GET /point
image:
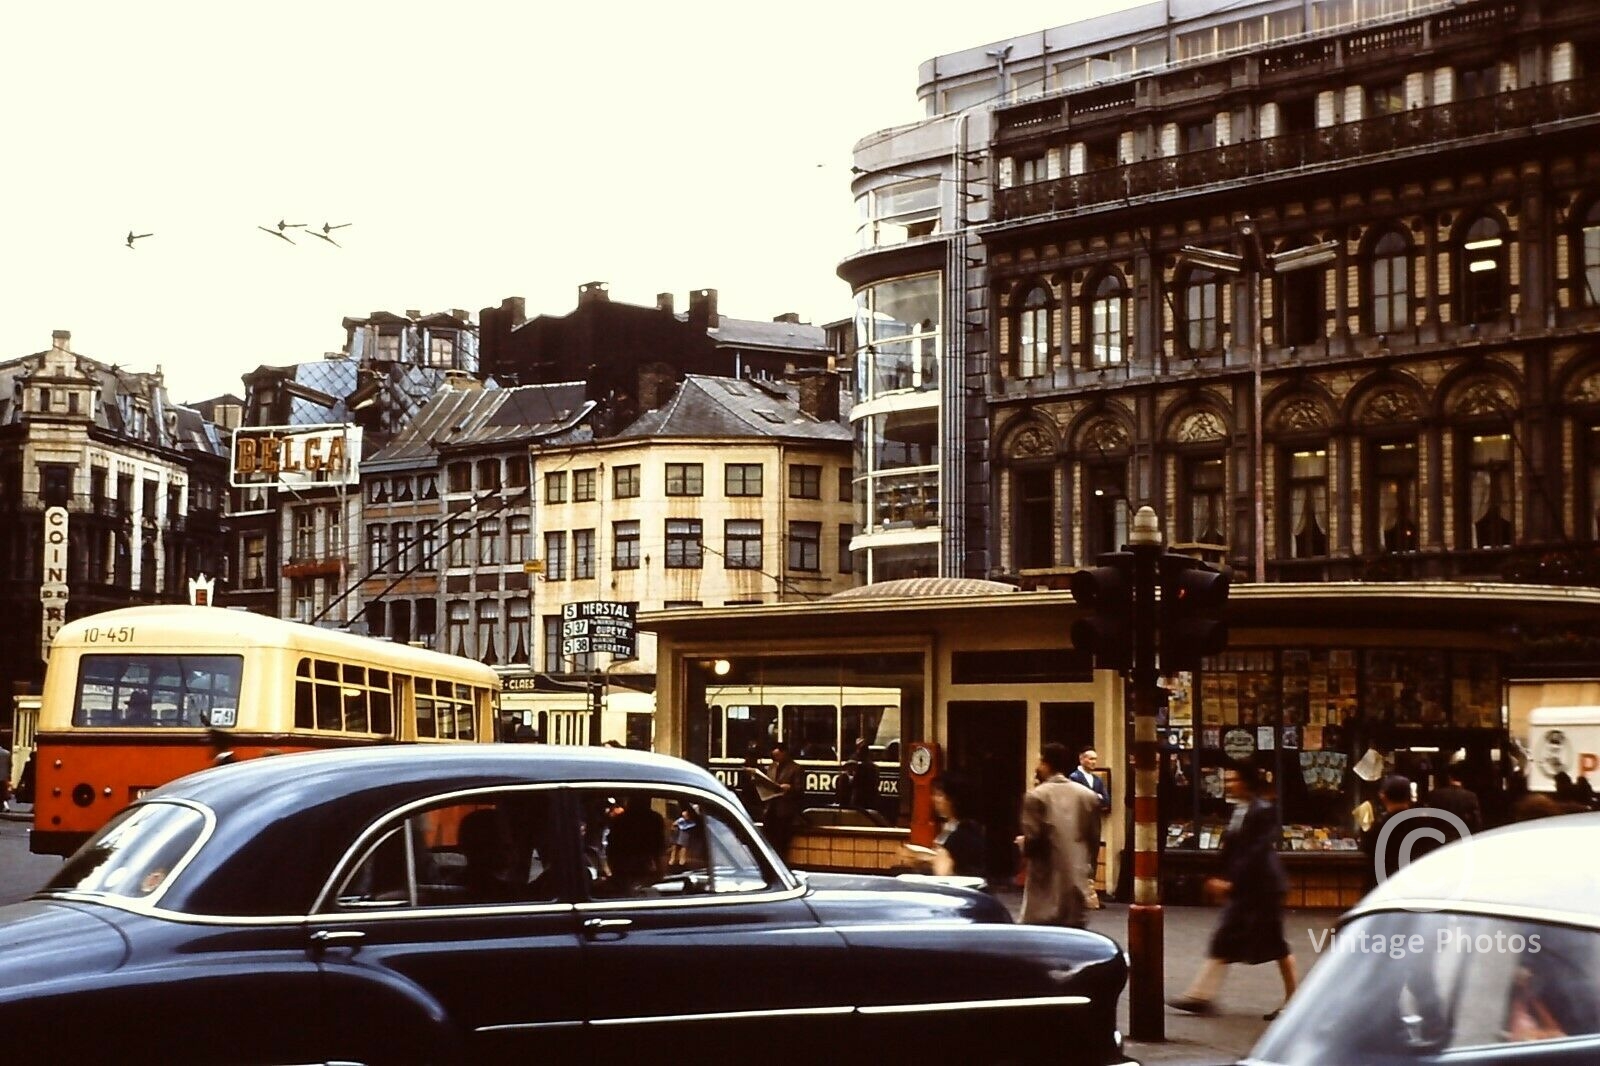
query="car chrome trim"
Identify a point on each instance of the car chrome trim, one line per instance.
(515, 1027)
(977, 1004)
(709, 899)
(724, 1016)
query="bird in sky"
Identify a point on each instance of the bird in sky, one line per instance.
(328, 228)
(277, 232)
(132, 236)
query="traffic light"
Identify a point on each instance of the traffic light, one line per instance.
(1106, 591)
(1193, 595)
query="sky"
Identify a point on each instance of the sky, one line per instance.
(477, 150)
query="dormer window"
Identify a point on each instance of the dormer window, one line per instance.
(442, 350)
(389, 345)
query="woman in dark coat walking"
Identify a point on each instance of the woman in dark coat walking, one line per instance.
(1252, 881)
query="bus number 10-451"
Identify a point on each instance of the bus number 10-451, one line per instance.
(109, 635)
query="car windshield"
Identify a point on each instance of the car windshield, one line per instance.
(135, 854)
(1404, 987)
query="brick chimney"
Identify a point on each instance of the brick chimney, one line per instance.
(61, 340)
(791, 317)
(664, 302)
(703, 309)
(594, 292)
(819, 394)
(657, 383)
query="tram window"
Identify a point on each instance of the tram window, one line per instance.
(426, 723)
(157, 690)
(751, 724)
(304, 711)
(380, 702)
(812, 731)
(354, 691)
(881, 727)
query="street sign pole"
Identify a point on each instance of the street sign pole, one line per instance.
(1146, 976)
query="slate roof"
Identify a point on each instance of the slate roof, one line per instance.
(116, 386)
(707, 406)
(468, 418)
(749, 333)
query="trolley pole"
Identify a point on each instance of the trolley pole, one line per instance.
(1146, 978)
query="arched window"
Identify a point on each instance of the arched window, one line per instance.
(1590, 244)
(1390, 278)
(1202, 311)
(1033, 334)
(1487, 489)
(1107, 309)
(1304, 533)
(1481, 272)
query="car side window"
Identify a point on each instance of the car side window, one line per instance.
(483, 850)
(1543, 983)
(659, 843)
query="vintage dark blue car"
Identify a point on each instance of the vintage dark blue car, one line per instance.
(514, 903)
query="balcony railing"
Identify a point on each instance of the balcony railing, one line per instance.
(1331, 146)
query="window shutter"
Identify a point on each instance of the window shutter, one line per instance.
(1269, 120)
(1444, 85)
(1325, 109)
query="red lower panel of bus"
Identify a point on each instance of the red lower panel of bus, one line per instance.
(81, 781)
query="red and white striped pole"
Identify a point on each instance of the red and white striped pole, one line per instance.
(1146, 977)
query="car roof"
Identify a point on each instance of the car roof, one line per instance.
(1543, 870)
(296, 814)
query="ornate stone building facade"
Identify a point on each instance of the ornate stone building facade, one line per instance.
(1329, 303)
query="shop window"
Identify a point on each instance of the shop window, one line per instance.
(1106, 506)
(1389, 278)
(1204, 508)
(1305, 533)
(1107, 313)
(1033, 335)
(1481, 272)
(741, 548)
(1395, 489)
(1202, 311)
(1034, 524)
(1488, 504)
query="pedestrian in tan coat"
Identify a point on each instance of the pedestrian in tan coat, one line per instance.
(1060, 833)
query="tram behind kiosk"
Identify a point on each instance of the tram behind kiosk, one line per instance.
(922, 766)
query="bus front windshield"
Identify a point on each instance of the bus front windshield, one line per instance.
(152, 691)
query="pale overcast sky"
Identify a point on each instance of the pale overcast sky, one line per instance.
(479, 149)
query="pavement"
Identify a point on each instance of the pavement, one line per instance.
(1247, 992)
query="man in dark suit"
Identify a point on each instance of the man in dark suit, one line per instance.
(1455, 798)
(1084, 775)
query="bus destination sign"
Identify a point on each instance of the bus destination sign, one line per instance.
(599, 625)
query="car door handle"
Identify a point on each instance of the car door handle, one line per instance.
(325, 937)
(593, 927)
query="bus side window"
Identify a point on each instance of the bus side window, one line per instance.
(304, 706)
(426, 726)
(354, 690)
(330, 712)
(380, 702)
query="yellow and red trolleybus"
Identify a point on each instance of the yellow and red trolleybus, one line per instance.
(138, 697)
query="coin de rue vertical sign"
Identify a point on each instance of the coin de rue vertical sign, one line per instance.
(53, 589)
(599, 625)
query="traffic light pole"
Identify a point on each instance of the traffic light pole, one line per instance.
(1146, 978)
